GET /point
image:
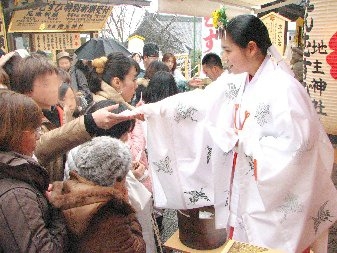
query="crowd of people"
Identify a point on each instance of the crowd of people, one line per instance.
(92, 152)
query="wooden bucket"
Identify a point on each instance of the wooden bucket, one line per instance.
(197, 229)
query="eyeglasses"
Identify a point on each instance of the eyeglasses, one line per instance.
(38, 131)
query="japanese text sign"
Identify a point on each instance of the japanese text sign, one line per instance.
(320, 59)
(276, 25)
(56, 17)
(56, 41)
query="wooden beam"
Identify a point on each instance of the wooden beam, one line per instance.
(112, 2)
(275, 6)
(237, 3)
(40, 3)
(37, 3)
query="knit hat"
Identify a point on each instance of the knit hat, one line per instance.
(63, 55)
(103, 160)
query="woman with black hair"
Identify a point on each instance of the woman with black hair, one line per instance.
(161, 85)
(114, 77)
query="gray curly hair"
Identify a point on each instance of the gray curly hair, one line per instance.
(103, 160)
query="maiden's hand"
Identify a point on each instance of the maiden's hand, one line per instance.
(105, 119)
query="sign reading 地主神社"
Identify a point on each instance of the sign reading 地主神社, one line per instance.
(58, 17)
(320, 59)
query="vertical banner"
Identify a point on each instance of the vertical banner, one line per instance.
(276, 25)
(209, 41)
(3, 38)
(320, 59)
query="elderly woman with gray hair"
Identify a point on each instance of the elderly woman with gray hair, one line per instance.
(95, 200)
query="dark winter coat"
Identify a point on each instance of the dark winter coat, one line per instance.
(27, 222)
(99, 218)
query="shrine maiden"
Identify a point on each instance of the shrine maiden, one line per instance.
(279, 193)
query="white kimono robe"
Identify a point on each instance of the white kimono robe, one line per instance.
(281, 195)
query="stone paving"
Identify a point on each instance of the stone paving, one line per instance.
(170, 223)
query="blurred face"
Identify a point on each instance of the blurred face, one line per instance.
(137, 58)
(45, 90)
(69, 100)
(64, 63)
(234, 56)
(28, 141)
(210, 72)
(129, 85)
(169, 63)
(148, 59)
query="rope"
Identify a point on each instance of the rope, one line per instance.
(157, 233)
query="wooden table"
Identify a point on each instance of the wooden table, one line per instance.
(174, 243)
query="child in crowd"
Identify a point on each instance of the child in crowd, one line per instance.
(27, 222)
(95, 200)
(68, 101)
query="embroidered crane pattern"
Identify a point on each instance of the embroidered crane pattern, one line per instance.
(250, 169)
(196, 196)
(227, 198)
(164, 165)
(323, 215)
(232, 92)
(185, 112)
(262, 114)
(209, 153)
(304, 149)
(290, 205)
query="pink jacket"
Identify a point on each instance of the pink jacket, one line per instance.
(137, 145)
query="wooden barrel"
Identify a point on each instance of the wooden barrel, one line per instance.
(197, 229)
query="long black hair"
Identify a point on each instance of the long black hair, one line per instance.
(245, 28)
(117, 65)
(161, 85)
